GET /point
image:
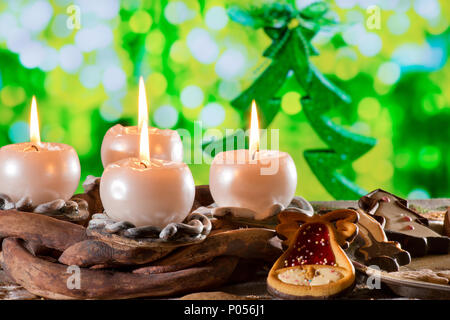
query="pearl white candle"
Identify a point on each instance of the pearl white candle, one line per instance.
(145, 191)
(152, 193)
(242, 182)
(253, 179)
(39, 170)
(122, 142)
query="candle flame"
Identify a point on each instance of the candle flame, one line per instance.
(144, 150)
(35, 137)
(143, 108)
(254, 131)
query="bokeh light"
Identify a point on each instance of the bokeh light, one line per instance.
(140, 21)
(177, 12)
(429, 157)
(389, 73)
(11, 96)
(19, 132)
(114, 78)
(212, 115)
(216, 18)
(231, 64)
(36, 15)
(155, 42)
(229, 90)
(192, 96)
(202, 46)
(369, 108)
(290, 103)
(157, 84)
(165, 116)
(90, 76)
(70, 58)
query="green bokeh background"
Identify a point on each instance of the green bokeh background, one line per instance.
(195, 60)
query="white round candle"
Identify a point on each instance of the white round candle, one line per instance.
(44, 173)
(122, 142)
(145, 191)
(39, 170)
(155, 194)
(236, 180)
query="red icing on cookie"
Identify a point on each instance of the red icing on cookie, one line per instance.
(312, 246)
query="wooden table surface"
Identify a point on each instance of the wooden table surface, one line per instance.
(255, 289)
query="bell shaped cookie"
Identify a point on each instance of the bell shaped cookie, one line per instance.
(314, 266)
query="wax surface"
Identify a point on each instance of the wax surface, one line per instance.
(237, 180)
(52, 171)
(122, 142)
(161, 193)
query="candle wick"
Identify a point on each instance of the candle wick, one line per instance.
(254, 154)
(33, 146)
(144, 164)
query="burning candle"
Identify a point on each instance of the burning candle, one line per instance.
(122, 142)
(253, 179)
(147, 191)
(39, 170)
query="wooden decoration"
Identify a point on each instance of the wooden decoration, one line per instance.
(447, 223)
(38, 250)
(50, 280)
(44, 230)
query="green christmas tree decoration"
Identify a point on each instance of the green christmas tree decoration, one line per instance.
(291, 32)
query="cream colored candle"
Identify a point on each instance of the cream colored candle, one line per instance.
(39, 170)
(253, 179)
(147, 191)
(122, 142)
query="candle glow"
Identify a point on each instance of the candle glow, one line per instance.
(254, 131)
(144, 149)
(35, 137)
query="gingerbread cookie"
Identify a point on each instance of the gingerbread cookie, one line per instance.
(435, 218)
(426, 275)
(377, 249)
(314, 265)
(403, 224)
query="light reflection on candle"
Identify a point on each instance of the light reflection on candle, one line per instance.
(35, 137)
(119, 190)
(254, 132)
